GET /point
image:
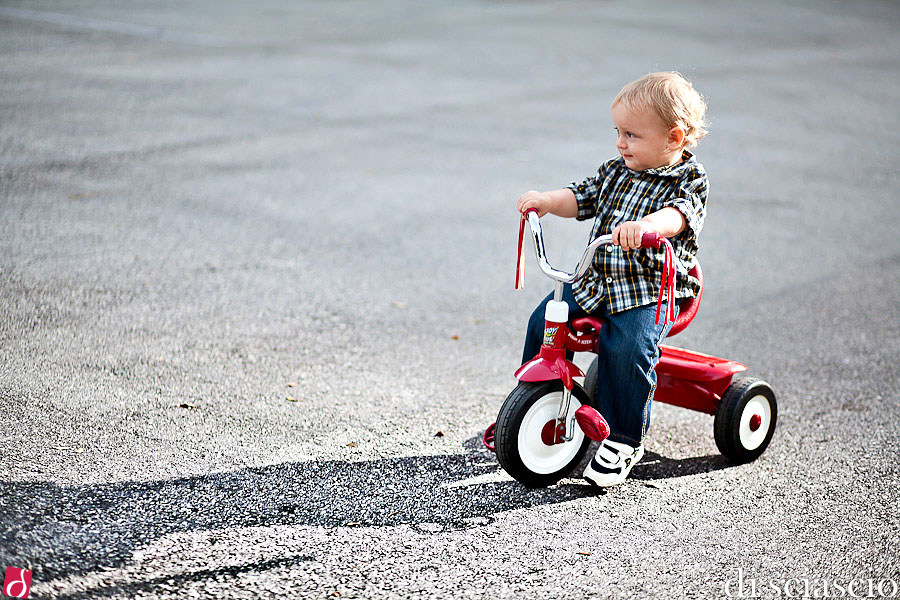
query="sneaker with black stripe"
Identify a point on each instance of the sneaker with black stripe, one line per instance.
(612, 463)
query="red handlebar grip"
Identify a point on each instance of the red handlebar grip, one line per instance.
(651, 240)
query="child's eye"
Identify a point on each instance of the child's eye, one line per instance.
(629, 134)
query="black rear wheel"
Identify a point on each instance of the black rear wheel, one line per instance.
(745, 419)
(590, 381)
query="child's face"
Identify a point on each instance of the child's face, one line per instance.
(643, 139)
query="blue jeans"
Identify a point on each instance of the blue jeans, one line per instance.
(626, 360)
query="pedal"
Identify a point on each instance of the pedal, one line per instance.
(592, 423)
(488, 437)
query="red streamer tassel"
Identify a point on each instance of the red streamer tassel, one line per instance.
(520, 261)
(667, 285)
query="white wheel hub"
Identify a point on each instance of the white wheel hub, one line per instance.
(537, 456)
(756, 419)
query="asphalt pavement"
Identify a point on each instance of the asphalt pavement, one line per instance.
(257, 306)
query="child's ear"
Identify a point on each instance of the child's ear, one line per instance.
(676, 137)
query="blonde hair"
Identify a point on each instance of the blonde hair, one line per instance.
(673, 98)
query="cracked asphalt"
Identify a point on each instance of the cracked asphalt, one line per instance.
(256, 305)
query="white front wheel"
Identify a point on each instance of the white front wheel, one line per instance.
(523, 439)
(536, 454)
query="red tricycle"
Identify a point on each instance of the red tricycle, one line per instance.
(547, 422)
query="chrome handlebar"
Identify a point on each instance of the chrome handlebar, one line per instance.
(581, 268)
(648, 240)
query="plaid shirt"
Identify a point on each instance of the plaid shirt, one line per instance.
(616, 194)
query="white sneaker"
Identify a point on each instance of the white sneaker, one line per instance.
(612, 463)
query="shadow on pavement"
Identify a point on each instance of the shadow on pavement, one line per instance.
(62, 531)
(70, 530)
(654, 466)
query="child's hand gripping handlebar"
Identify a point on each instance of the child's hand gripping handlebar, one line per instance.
(649, 240)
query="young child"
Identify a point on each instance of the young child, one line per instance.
(655, 185)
